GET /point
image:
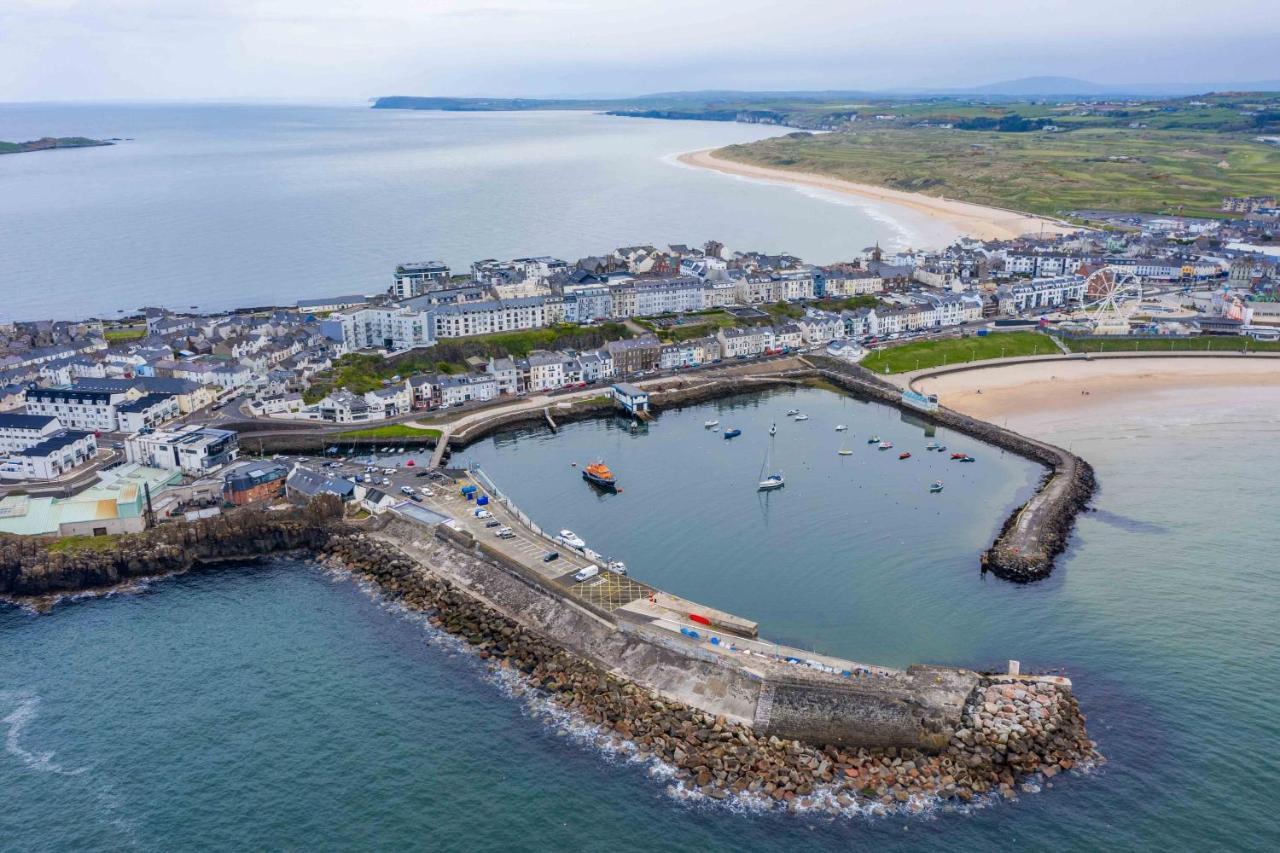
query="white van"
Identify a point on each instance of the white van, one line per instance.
(588, 572)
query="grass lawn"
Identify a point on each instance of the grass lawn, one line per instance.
(1205, 344)
(78, 544)
(391, 431)
(132, 334)
(921, 354)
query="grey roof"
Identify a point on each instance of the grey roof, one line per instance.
(312, 483)
(53, 443)
(36, 422)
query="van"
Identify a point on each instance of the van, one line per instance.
(586, 573)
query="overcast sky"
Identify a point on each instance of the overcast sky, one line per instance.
(355, 49)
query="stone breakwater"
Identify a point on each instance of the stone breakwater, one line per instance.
(1038, 531)
(1013, 736)
(30, 567)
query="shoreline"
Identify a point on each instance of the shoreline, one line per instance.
(975, 220)
(1033, 394)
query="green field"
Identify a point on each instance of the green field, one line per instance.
(937, 353)
(80, 544)
(391, 431)
(1112, 168)
(129, 334)
(1204, 344)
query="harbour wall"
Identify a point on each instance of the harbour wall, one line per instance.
(1033, 536)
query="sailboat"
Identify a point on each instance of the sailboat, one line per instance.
(772, 481)
(844, 451)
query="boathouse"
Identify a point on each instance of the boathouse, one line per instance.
(631, 398)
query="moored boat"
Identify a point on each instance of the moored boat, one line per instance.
(906, 455)
(598, 474)
(802, 417)
(841, 427)
(844, 451)
(710, 424)
(792, 412)
(958, 455)
(573, 540)
(768, 484)
(617, 567)
(967, 458)
(885, 445)
(933, 445)
(875, 439)
(732, 433)
(936, 487)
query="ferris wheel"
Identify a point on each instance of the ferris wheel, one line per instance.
(1110, 297)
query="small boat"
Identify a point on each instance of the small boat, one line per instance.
(572, 539)
(841, 427)
(732, 433)
(844, 451)
(598, 474)
(906, 455)
(771, 482)
(773, 429)
(936, 487)
(768, 484)
(967, 459)
(933, 445)
(617, 567)
(875, 439)
(802, 417)
(886, 445)
(710, 424)
(792, 412)
(958, 455)
(942, 448)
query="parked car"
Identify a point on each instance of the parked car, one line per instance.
(416, 498)
(483, 513)
(504, 532)
(550, 556)
(588, 572)
(494, 523)
(407, 490)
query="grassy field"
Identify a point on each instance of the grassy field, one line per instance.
(1113, 168)
(936, 353)
(130, 334)
(391, 431)
(1205, 344)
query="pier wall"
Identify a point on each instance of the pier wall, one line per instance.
(920, 708)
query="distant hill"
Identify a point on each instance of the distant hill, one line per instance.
(48, 143)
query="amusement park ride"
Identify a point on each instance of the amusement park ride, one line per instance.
(1110, 299)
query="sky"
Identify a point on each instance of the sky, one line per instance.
(84, 50)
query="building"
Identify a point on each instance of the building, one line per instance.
(744, 341)
(117, 504)
(303, 484)
(634, 355)
(253, 482)
(51, 457)
(18, 432)
(415, 278)
(1041, 293)
(391, 328)
(635, 400)
(80, 408)
(486, 318)
(193, 450)
(146, 412)
(328, 304)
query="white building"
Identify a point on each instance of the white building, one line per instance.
(148, 411)
(77, 408)
(192, 449)
(1041, 293)
(745, 341)
(51, 457)
(486, 318)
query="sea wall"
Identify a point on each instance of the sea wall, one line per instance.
(702, 717)
(34, 566)
(1036, 532)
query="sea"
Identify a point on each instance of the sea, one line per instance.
(285, 706)
(220, 206)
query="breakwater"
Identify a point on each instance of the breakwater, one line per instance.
(1036, 532)
(1004, 731)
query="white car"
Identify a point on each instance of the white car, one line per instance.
(483, 513)
(505, 533)
(407, 490)
(386, 482)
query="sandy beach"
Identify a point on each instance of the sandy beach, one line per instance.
(1031, 397)
(985, 223)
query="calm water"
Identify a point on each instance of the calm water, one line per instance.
(284, 708)
(224, 206)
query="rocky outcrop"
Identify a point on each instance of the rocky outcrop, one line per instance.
(1011, 735)
(35, 566)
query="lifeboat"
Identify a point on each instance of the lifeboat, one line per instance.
(598, 474)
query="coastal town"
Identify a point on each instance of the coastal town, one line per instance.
(166, 400)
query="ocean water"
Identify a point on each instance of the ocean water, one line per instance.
(280, 706)
(222, 206)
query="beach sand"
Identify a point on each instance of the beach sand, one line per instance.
(985, 223)
(1037, 399)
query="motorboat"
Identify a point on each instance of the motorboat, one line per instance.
(802, 417)
(710, 424)
(792, 412)
(936, 487)
(773, 429)
(885, 445)
(933, 445)
(906, 455)
(573, 540)
(617, 567)
(958, 455)
(875, 439)
(773, 481)
(942, 448)
(844, 451)
(598, 474)
(732, 433)
(841, 427)
(967, 458)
